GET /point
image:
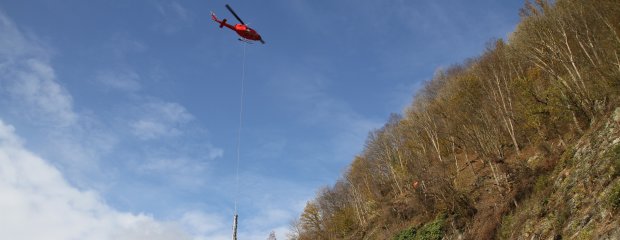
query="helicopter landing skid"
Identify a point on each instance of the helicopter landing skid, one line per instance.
(245, 41)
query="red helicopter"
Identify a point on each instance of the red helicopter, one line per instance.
(248, 34)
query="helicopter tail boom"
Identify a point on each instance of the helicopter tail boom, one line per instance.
(222, 22)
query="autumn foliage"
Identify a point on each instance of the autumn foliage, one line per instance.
(460, 149)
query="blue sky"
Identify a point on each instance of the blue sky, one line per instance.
(118, 119)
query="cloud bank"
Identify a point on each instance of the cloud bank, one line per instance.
(27, 80)
(36, 200)
(38, 203)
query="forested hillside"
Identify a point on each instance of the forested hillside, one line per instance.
(486, 139)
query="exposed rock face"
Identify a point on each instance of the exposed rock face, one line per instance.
(579, 199)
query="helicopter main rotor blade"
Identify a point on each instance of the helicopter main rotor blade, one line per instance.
(233, 12)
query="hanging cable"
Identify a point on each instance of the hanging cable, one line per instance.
(239, 143)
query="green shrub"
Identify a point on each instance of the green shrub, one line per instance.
(586, 233)
(408, 234)
(541, 184)
(562, 215)
(430, 231)
(506, 227)
(614, 197)
(615, 159)
(567, 156)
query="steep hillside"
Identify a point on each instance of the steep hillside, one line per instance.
(580, 198)
(515, 143)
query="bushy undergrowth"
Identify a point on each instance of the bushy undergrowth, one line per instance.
(614, 197)
(615, 158)
(406, 234)
(430, 231)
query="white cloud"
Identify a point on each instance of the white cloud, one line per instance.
(206, 226)
(78, 143)
(33, 82)
(128, 81)
(181, 165)
(36, 200)
(172, 9)
(29, 81)
(181, 172)
(121, 44)
(160, 119)
(174, 16)
(31, 95)
(13, 43)
(38, 203)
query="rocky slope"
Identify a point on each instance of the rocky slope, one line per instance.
(580, 198)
